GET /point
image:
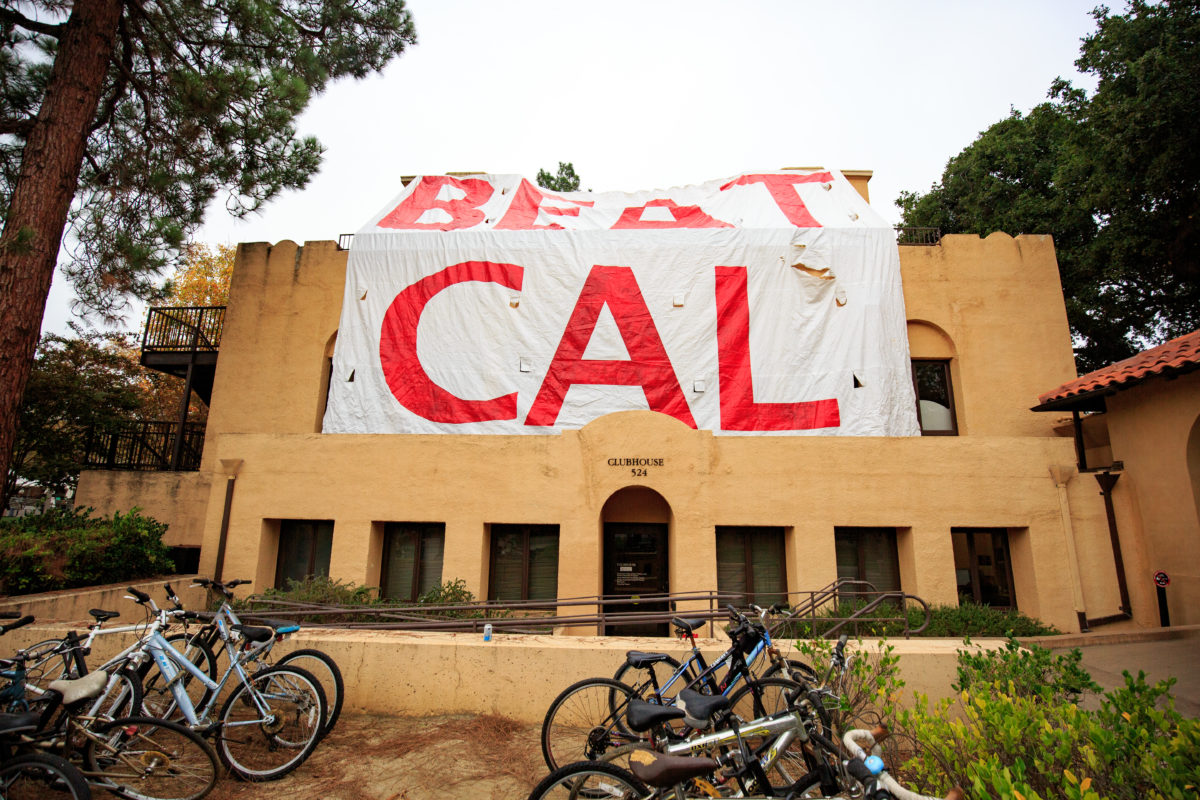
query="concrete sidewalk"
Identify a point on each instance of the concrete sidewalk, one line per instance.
(1161, 653)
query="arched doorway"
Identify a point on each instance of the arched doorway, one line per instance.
(636, 525)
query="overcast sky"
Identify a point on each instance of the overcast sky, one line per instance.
(641, 94)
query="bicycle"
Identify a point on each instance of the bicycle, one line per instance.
(205, 646)
(587, 718)
(271, 721)
(134, 756)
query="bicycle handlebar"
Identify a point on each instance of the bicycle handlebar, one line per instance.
(12, 626)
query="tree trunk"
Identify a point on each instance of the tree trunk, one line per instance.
(42, 196)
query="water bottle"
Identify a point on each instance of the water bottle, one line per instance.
(487, 632)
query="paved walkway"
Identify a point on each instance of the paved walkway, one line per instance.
(1161, 654)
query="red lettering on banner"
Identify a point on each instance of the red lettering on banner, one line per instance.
(739, 412)
(682, 217)
(784, 194)
(648, 365)
(402, 370)
(527, 202)
(464, 212)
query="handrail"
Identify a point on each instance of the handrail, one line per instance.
(914, 235)
(184, 329)
(143, 446)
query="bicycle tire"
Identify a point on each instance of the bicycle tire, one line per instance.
(589, 779)
(142, 758)
(44, 663)
(324, 669)
(157, 698)
(126, 700)
(797, 762)
(255, 749)
(581, 723)
(38, 776)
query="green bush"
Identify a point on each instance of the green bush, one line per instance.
(867, 690)
(360, 603)
(67, 549)
(957, 621)
(1014, 733)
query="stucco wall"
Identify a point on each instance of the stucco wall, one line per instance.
(1155, 430)
(178, 499)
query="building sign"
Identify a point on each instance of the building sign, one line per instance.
(766, 304)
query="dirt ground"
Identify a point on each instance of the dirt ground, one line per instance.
(410, 758)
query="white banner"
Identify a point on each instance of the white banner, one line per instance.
(766, 304)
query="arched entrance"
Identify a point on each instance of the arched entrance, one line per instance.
(636, 525)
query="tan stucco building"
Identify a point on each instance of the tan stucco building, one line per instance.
(990, 505)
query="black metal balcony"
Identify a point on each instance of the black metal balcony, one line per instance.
(928, 237)
(182, 340)
(148, 446)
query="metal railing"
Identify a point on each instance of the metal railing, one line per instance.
(918, 236)
(183, 329)
(144, 446)
(544, 617)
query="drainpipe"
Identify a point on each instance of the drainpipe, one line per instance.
(1107, 481)
(1061, 475)
(231, 467)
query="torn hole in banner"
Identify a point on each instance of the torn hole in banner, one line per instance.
(811, 258)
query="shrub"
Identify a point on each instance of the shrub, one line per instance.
(1013, 733)
(957, 621)
(67, 549)
(868, 689)
(360, 603)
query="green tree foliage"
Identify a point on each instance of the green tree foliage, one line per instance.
(121, 120)
(565, 180)
(64, 549)
(76, 384)
(1114, 177)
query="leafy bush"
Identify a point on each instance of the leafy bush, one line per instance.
(360, 603)
(866, 691)
(967, 619)
(1014, 733)
(67, 549)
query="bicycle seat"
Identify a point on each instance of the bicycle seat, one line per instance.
(280, 625)
(699, 708)
(688, 625)
(254, 633)
(100, 615)
(642, 716)
(19, 723)
(658, 769)
(639, 660)
(89, 685)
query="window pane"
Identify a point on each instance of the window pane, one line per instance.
(868, 554)
(766, 567)
(401, 549)
(433, 545)
(543, 566)
(731, 562)
(934, 407)
(303, 545)
(507, 564)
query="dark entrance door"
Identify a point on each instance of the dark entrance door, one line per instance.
(635, 565)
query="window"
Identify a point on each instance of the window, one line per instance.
(524, 562)
(935, 400)
(983, 567)
(304, 547)
(750, 561)
(412, 559)
(868, 554)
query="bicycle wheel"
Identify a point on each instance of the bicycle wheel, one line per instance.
(589, 779)
(141, 758)
(34, 776)
(581, 723)
(799, 669)
(324, 669)
(47, 661)
(125, 699)
(158, 700)
(258, 747)
(762, 698)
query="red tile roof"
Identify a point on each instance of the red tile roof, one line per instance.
(1173, 358)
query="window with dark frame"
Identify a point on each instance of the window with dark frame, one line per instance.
(304, 549)
(983, 567)
(412, 559)
(524, 562)
(935, 397)
(868, 554)
(751, 562)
